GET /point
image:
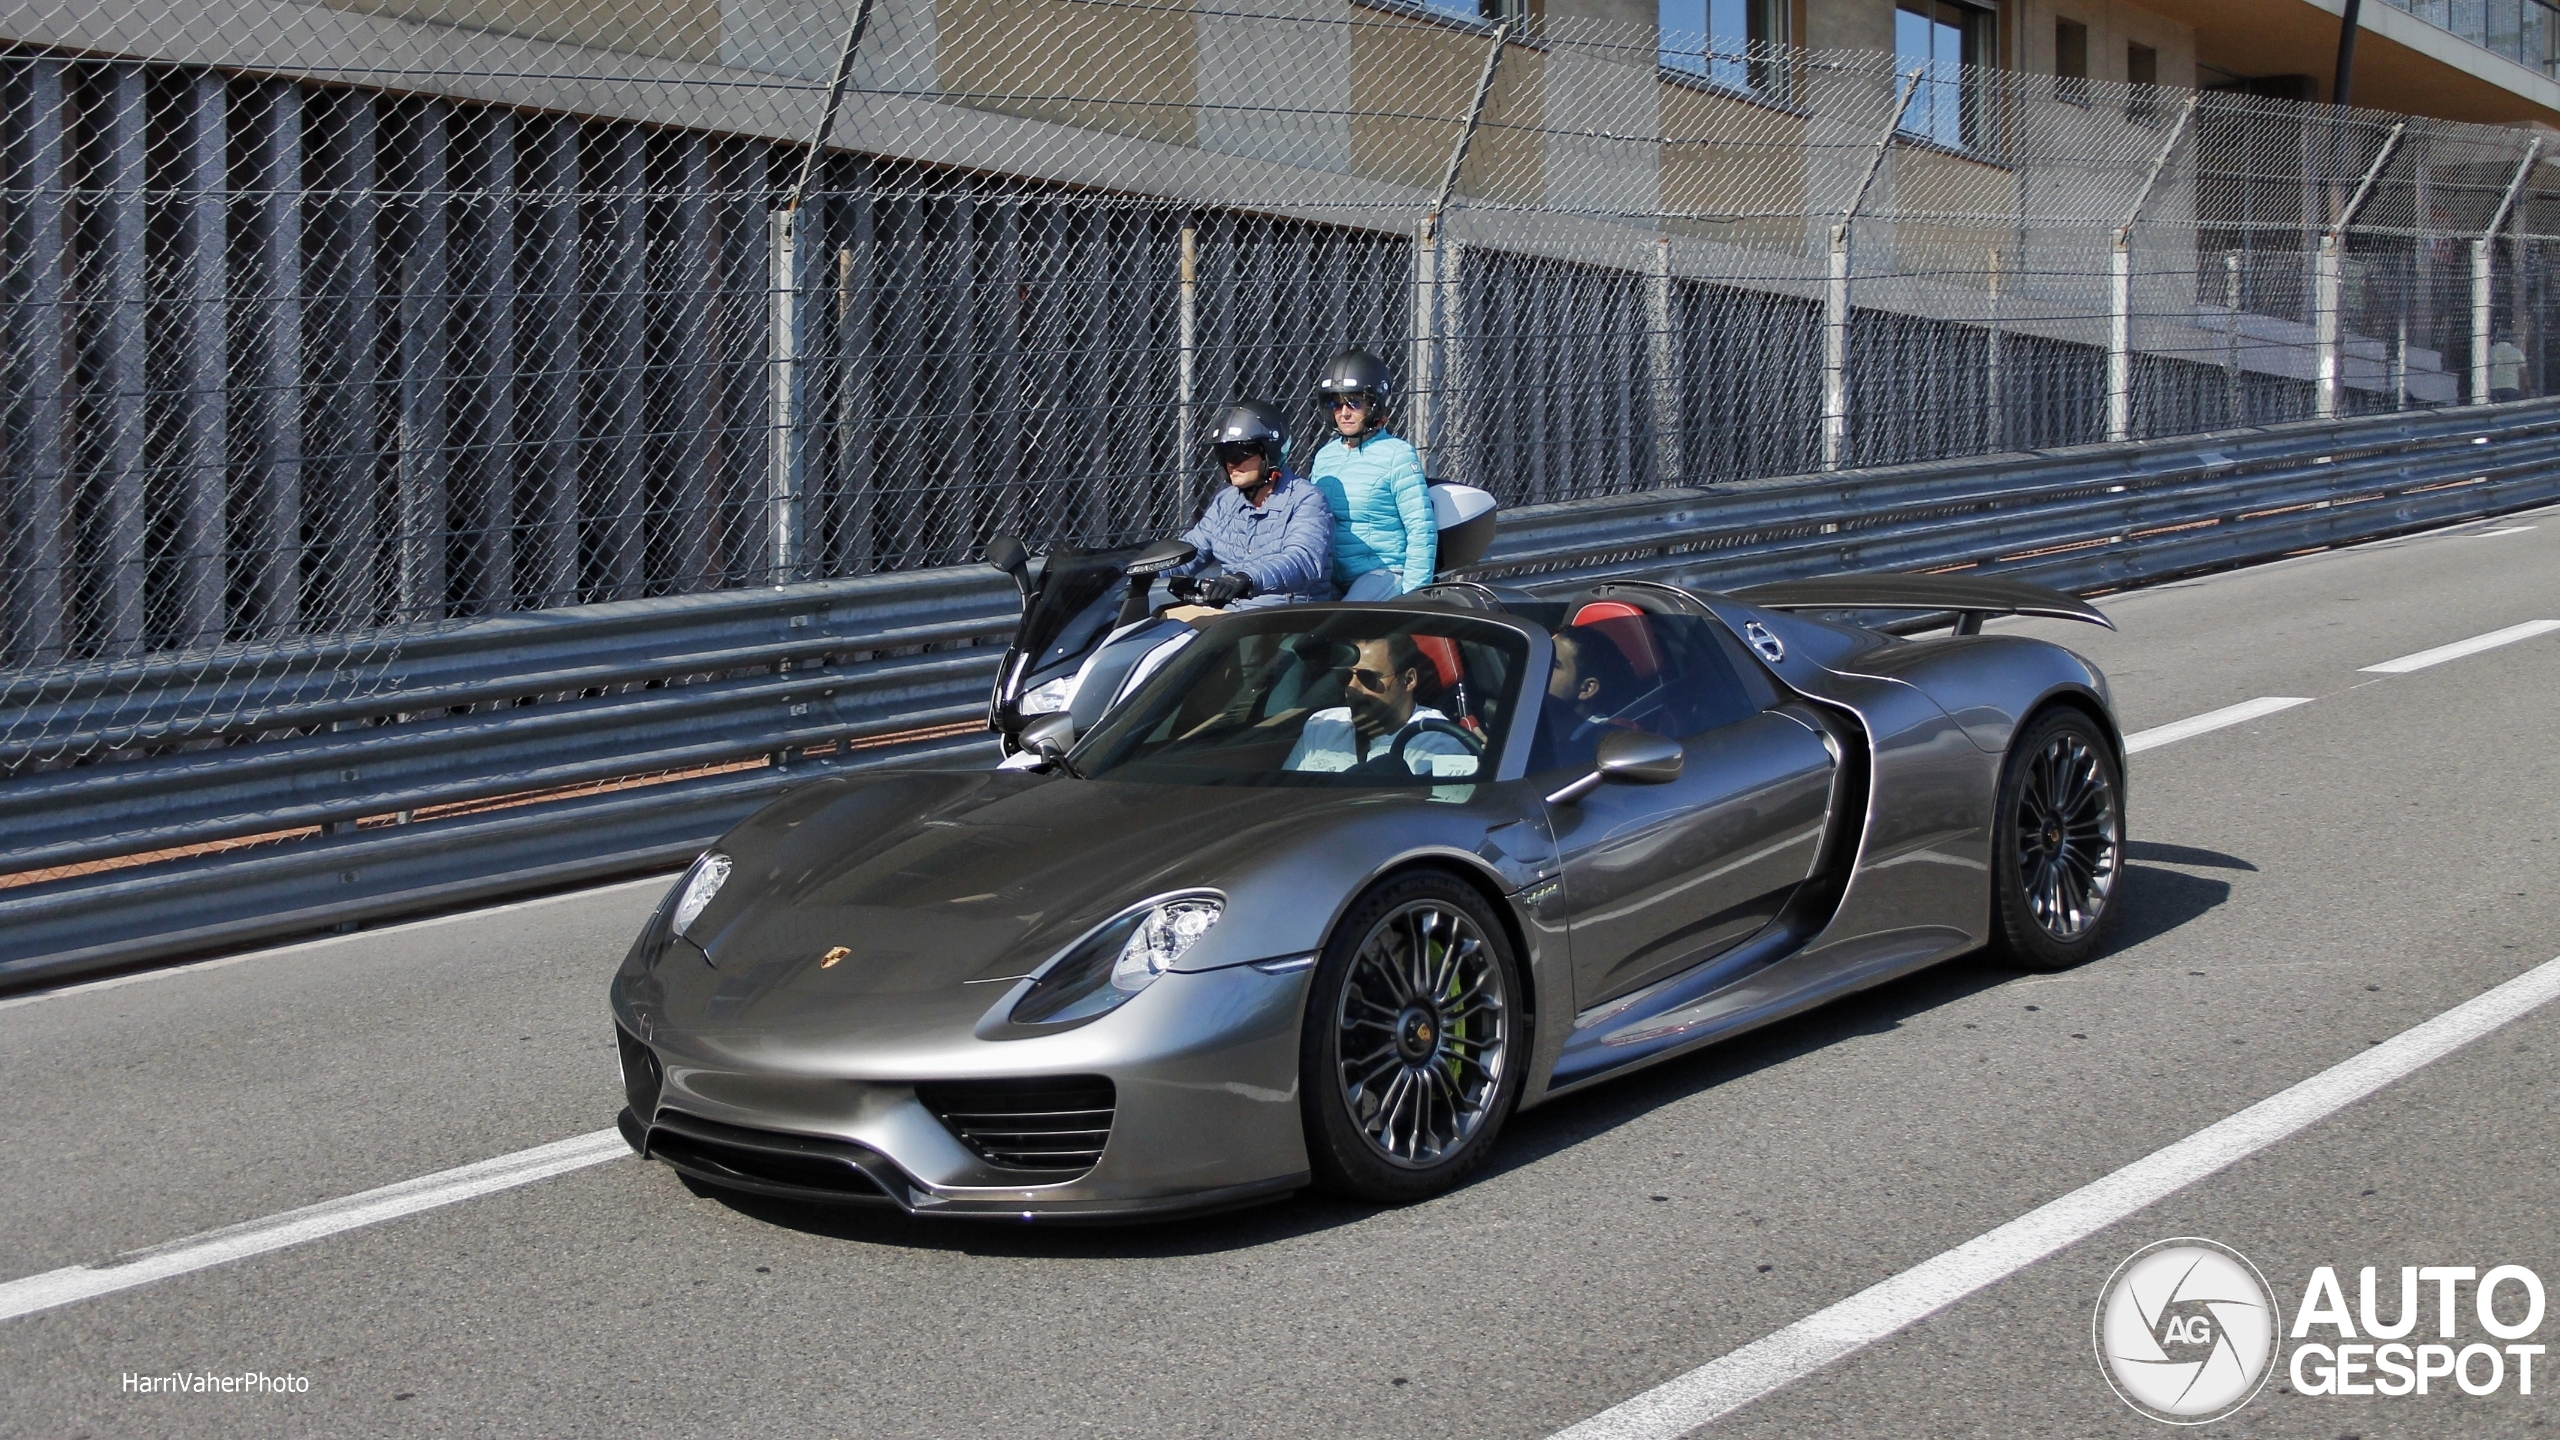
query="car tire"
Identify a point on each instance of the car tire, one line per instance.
(2058, 845)
(1414, 1042)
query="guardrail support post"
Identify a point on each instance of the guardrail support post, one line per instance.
(2482, 272)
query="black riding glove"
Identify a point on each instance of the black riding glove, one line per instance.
(1182, 587)
(1227, 589)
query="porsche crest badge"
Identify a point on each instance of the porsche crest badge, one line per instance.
(830, 960)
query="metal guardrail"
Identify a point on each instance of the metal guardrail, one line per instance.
(742, 695)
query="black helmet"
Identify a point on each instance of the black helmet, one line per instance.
(1251, 422)
(1357, 372)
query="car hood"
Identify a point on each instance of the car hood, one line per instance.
(940, 890)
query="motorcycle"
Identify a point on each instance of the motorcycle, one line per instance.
(1094, 628)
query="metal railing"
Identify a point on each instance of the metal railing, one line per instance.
(519, 753)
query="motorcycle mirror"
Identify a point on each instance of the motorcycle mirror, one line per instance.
(1007, 554)
(1052, 732)
(1160, 557)
(1632, 756)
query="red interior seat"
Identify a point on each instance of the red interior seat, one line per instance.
(1442, 652)
(1625, 626)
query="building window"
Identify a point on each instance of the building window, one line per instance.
(2142, 72)
(1488, 12)
(1940, 38)
(2070, 62)
(1730, 42)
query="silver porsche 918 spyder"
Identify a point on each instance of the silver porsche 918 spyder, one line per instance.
(1340, 887)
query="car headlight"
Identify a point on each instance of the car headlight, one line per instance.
(1047, 699)
(1103, 970)
(701, 883)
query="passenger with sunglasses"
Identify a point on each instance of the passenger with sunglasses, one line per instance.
(1268, 530)
(1385, 540)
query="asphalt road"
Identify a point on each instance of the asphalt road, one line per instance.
(2301, 887)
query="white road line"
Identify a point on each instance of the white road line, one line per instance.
(2194, 725)
(2501, 530)
(1734, 1380)
(118, 982)
(2460, 648)
(312, 1222)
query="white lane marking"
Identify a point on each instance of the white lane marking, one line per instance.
(118, 982)
(1739, 1377)
(2501, 530)
(312, 1222)
(2460, 648)
(2194, 725)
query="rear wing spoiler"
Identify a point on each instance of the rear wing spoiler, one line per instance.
(1971, 598)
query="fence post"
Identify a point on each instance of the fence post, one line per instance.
(2231, 393)
(2330, 281)
(128, 321)
(1187, 429)
(2120, 286)
(1427, 262)
(1667, 429)
(787, 466)
(204, 582)
(1835, 329)
(1994, 378)
(43, 571)
(2481, 272)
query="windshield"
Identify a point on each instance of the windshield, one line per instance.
(1079, 599)
(1301, 696)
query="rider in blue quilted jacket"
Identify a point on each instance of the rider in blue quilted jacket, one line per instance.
(1384, 539)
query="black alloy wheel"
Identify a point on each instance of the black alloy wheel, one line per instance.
(1414, 1041)
(2060, 841)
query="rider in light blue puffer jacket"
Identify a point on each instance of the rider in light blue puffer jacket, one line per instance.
(1384, 539)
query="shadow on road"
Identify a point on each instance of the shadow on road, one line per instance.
(2155, 901)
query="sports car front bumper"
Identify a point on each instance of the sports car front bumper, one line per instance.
(1198, 1077)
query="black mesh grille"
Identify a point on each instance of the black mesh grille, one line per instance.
(1056, 1123)
(641, 1079)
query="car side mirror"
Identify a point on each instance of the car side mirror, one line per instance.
(1160, 557)
(1049, 735)
(1635, 757)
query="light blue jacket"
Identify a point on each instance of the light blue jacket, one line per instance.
(1286, 545)
(1381, 509)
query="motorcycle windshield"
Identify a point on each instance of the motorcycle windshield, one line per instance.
(1079, 597)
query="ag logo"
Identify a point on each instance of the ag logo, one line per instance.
(2186, 1330)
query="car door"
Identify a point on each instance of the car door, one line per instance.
(1659, 878)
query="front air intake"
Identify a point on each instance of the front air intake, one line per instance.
(1052, 1124)
(641, 1077)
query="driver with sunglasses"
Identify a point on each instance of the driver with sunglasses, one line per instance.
(1268, 530)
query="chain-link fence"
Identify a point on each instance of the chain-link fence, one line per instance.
(324, 322)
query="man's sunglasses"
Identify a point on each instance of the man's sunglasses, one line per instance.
(1238, 454)
(1372, 680)
(1346, 402)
